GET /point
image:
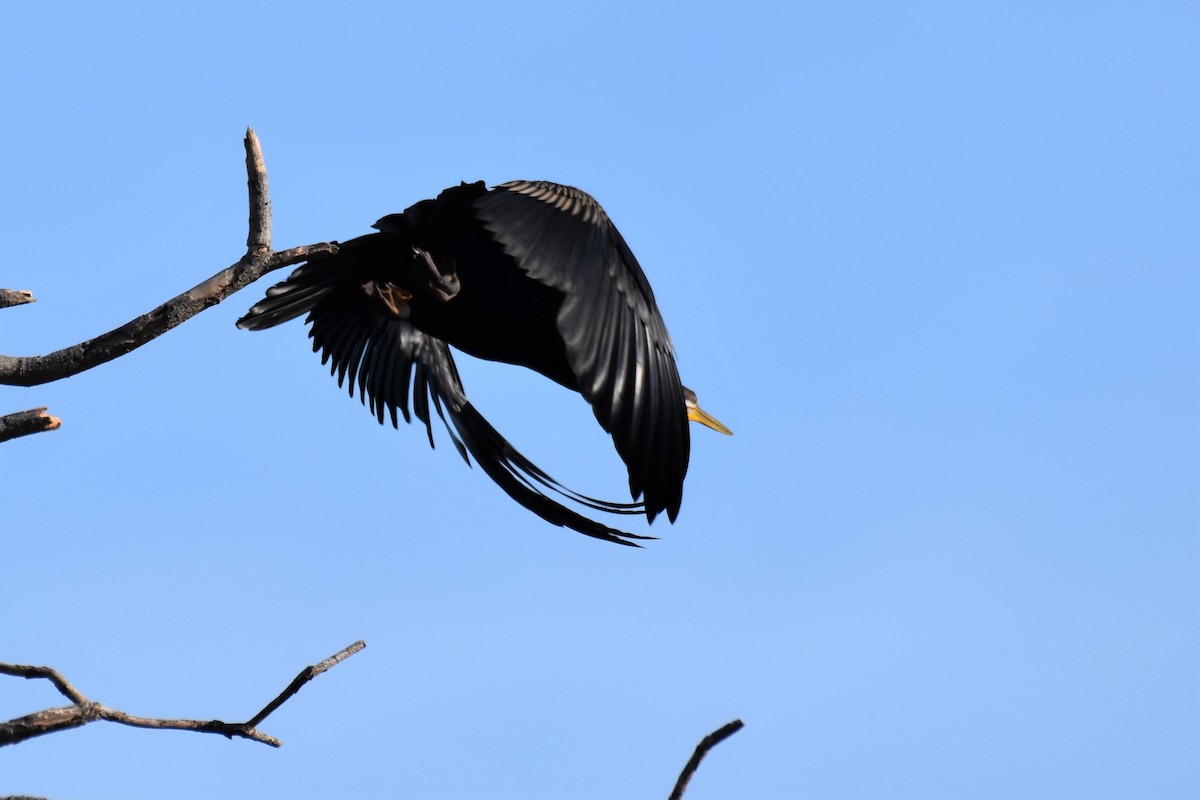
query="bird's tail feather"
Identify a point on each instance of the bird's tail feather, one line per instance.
(311, 282)
(520, 478)
(293, 298)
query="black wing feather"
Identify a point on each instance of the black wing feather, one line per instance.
(616, 341)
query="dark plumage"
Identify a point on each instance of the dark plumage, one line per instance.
(529, 273)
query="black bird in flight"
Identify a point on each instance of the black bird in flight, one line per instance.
(530, 273)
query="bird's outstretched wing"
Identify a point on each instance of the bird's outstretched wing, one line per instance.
(387, 360)
(616, 341)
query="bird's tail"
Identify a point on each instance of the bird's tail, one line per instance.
(523, 480)
(311, 282)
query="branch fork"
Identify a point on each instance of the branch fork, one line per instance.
(82, 710)
(258, 261)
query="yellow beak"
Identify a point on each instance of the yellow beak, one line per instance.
(697, 414)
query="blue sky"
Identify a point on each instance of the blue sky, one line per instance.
(936, 264)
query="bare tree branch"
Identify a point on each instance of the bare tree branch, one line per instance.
(258, 242)
(84, 710)
(23, 423)
(706, 744)
(15, 297)
(258, 261)
(36, 370)
(306, 675)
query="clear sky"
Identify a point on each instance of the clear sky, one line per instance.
(937, 265)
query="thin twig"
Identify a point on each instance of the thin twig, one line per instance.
(258, 261)
(84, 710)
(62, 684)
(23, 423)
(706, 744)
(306, 675)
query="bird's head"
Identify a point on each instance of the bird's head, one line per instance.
(697, 414)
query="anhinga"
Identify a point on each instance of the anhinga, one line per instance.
(530, 273)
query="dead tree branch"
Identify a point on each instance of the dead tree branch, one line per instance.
(258, 261)
(306, 675)
(24, 423)
(15, 297)
(258, 241)
(82, 711)
(706, 744)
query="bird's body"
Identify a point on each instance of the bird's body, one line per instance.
(528, 273)
(497, 313)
